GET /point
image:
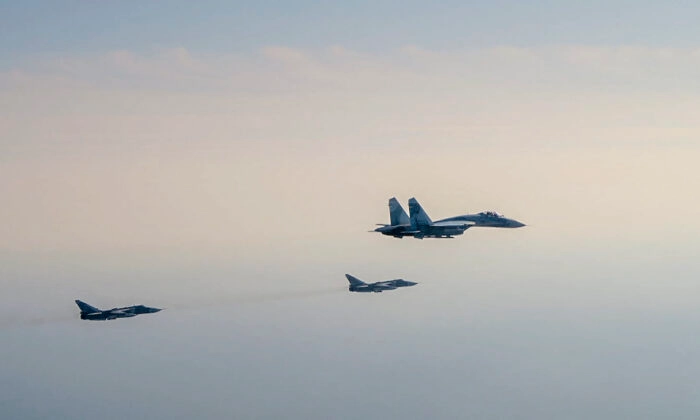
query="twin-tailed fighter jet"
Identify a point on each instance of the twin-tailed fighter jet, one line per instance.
(93, 314)
(419, 225)
(357, 285)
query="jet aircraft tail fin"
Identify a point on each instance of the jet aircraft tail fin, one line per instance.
(85, 308)
(418, 216)
(354, 281)
(397, 213)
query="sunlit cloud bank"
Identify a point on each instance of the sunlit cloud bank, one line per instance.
(525, 97)
(177, 149)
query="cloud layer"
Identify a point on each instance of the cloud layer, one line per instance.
(175, 149)
(576, 96)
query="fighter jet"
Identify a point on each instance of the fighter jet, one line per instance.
(420, 226)
(447, 228)
(357, 285)
(93, 314)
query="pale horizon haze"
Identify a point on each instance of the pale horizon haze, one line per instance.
(226, 161)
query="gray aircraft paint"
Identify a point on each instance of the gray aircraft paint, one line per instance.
(91, 313)
(397, 214)
(420, 225)
(485, 219)
(357, 285)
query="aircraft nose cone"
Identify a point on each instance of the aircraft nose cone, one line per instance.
(518, 224)
(410, 283)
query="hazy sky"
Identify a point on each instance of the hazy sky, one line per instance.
(221, 26)
(226, 160)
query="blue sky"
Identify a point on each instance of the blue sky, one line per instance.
(84, 27)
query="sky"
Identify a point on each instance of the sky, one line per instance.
(225, 161)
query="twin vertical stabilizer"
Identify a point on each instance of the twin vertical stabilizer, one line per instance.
(418, 216)
(397, 214)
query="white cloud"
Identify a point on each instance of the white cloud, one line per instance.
(573, 94)
(566, 131)
(336, 99)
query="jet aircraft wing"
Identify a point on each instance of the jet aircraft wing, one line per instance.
(122, 310)
(455, 223)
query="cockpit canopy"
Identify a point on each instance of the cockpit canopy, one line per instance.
(491, 214)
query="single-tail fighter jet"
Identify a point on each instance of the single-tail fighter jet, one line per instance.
(93, 314)
(357, 285)
(447, 228)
